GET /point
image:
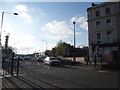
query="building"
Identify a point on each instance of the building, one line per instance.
(104, 30)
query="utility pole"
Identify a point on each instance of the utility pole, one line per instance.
(74, 53)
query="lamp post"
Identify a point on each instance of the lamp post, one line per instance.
(1, 42)
(2, 24)
(74, 53)
(46, 44)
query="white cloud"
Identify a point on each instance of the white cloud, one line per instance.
(58, 27)
(22, 40)
(50, 46)
(58, 37)
(23, 13)
(26, 50)
(61, 30)
(25, 44)
(27, 17)
(84, 25)
(80, 20)
(22, 8)
(26, 37)
(73, 19)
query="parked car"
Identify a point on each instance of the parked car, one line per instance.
(19, 58)
(41, 58)
(52, 61)
(26, 57)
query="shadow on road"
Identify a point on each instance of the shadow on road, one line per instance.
(21, 83)
(18, 82)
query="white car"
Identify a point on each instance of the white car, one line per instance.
(52, 61)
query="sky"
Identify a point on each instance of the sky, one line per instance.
(44, 23)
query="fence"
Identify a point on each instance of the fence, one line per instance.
(10, 65)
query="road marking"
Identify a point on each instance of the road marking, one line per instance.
(43, 72)
(38, 63)
(54, 84)
(102, 71)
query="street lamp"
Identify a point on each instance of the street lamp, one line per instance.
(2, 24)
(74, 52)
(46, 44)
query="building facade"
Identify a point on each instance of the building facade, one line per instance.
(104, 30)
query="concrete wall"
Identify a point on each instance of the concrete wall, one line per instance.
(78, 59)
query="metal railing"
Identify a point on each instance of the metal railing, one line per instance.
(10, 65)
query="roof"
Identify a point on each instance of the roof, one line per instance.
(94, 6)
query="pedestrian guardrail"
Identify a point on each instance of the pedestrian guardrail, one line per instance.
(10, 65)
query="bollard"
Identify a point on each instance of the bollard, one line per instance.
(17, 66)
(12, 64)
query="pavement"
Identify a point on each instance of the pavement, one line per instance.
(84, 66)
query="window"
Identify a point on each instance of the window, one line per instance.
(99, 42)
(107, 10)
(97, 24)
(98, 35)
(97, 13)
(108, 22)
(99, 38)
(109, 37)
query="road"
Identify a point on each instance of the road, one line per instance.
(67, 77)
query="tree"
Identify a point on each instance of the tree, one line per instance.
(66, 50)
(62, 49)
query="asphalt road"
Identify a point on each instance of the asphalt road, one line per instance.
(66, 77)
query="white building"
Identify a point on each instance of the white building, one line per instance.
(104, 30)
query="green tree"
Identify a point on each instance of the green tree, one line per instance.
(62, 49)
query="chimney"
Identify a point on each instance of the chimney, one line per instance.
(93, 4)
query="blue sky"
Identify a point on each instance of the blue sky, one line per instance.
(48, 21)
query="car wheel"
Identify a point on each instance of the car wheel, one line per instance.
(58, 65)
(49, 64)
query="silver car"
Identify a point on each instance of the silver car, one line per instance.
(40, 58)
(52, 61)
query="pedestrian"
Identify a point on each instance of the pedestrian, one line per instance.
(95, 59)
(87, 60)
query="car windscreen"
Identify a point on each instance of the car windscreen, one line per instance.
(53, 58)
